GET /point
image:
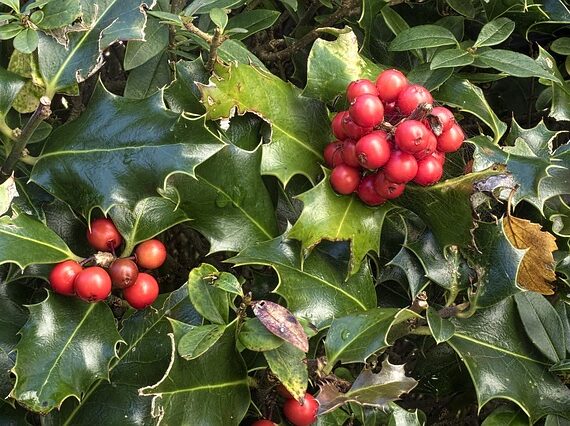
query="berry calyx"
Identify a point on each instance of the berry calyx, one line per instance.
(451, 140)
(345, 179)
(411, 136)
(103, 235)
(401, 167)
(389, 84)
(150, 254)
(337, 128)
(367, 110)
(430, 171)
(388, 189)
(304, 414)
(123, 273)
(63, 275)
(444, 116)
(93, 284)
(413, 96)
(333, 154)
(143, 292)
(429, 149)
(360, 87)
(373, 150)
(367, 193)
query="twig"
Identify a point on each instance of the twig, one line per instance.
(214, 41)
(42, 112)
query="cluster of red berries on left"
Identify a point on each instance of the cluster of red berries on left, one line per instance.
(94, 283)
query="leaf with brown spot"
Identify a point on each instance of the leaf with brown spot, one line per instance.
(536, 270)
(282, 323)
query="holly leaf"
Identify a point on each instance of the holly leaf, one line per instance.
(120, 151)
(288, 364)
(506, 416)
(47, 368)
(232, 209)
(412, 269)
(329, 216)
(185, 393)
(536, 271)
(183, 94)
(509, 368)
(369, 389)
(300, 126)
(539, 138)
(320, 277)
(81, 52)
(441, 329)
(10, 86)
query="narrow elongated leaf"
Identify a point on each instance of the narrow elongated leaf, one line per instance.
(412, 269)
(422, 36)
(300, 126)
(515, 64)
(451, 58)
(148, 78)
(495, 32)
(288, 364)
(430, 79)
(561, 46)
(253, 21)
(211, 302)
(48, 369)
(279, 321)
(155, 41)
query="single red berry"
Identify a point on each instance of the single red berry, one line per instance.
(333, 154)
(123, 273)
(349, 156)
(367, 193)
(388, 189)
(150, 254)
(412, 136)
(430, 171)
(439, 156)
(263, 422)
(345, 179)
(360, 87)
(336, 125)
(367, 110)
(93, 284)
(451, 140)
(103, 235)
(429, 149)
(401, 167)
(373, 150)
(445, 117)
(411, 97)
(304, 414)
(353, 130)
(63, 275)
(143, 292)
(389, 84)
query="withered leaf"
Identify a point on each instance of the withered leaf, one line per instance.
(282, 323)
(536, 271)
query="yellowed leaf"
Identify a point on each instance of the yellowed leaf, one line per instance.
(536, 272)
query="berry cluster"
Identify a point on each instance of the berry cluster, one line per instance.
(390, 135)
(297, 414)
(94, 283)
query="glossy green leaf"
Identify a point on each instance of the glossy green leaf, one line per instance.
(254, 336)
(503, 363)
(10, 85)
(464, 7)
(211, 302)
(495, 32)
(332, 65)
(205, 6)
(412, 269)
(561, 46)
(253, 21)
(235, 51)
(199, 339)
(148, 78)
(60, 13)
(228, 202)
(183, 94)
(9, 31)
(450, 58)
(441, 329)
(120, 151)
(319, 277)
(48, 369)
(107, 21)
(430, 79)
(354, 338)
(466, 96)
(506, 416)
(329, 216)
(542, 325)
(219, 17)
(185, 393)
(514, 63)
(155, 41)
(300, 126)
(26, 41)
(370, 10)
(12, 4)
(289, 366)
(422, 36)
(553, 420)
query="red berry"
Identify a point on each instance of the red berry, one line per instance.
(412, 136)
(411, 97)
(93, 284)
(345, 179)
(451, 140)
(349, 156)
(429, 149)
(388, 189)
(103, 235)
(430, 171)
(333, 154)
(143, 292)
(123, 273)
(336, 125)
(373, 150)
(304, 414)
(353, 130)
(401, 167)
(445, 117)
(367, 110)
(367, 193)
(389, 84)
(439, 156)
(263, 422)
(360, 87)
(150, 254)
(62, 276)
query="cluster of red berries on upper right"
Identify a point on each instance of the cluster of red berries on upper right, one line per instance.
(390, 135)
(94, 283)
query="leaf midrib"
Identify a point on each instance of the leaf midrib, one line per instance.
(498, 349)
(3, 231)
(207, 387)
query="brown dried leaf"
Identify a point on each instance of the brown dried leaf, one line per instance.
(536, 271)
(282, 323)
